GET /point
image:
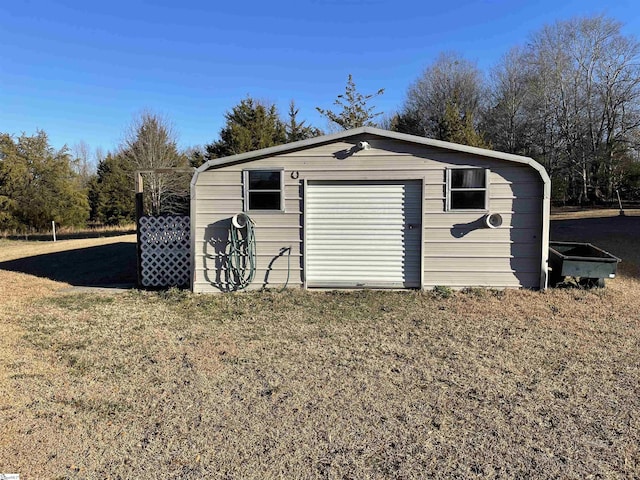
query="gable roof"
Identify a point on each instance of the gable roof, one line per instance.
(325, 139)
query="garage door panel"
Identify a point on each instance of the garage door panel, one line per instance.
(363, 234)
(357, 227)
(356, 251)
(357, 221)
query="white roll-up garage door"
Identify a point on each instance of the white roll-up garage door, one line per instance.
(364, 234)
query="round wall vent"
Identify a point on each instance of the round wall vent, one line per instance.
(493, 220)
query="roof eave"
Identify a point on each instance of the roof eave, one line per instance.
(325, 139)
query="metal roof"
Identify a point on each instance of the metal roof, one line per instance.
(326, 139)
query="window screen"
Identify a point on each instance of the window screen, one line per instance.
(263, 189)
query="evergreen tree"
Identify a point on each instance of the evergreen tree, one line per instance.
(111, 191)
(408, 121)
(355, 111)
(457, 127)
(195, 156)
(250, 125)
(38, 185)
(298, 130)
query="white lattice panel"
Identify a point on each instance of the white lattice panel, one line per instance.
(165, 250)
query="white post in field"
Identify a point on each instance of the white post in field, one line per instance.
(620, 203)
(53, 227)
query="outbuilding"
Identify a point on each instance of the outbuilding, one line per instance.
(369, 208)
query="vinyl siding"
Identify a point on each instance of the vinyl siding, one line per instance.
(505, 257)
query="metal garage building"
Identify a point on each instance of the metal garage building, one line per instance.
(368, 208)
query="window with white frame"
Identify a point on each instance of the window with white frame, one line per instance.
(467, 188)
(263, 190)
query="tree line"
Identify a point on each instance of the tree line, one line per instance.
(39, 184)
(569, 98)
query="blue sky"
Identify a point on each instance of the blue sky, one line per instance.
(80, 69)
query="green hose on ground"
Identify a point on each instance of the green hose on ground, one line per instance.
(242, 252)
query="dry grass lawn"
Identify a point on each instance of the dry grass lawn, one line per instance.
(476, 384)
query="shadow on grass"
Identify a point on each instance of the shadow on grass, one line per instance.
(617, 235)
(112, 265)
(596, 228)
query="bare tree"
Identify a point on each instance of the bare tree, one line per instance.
(449, 82)
(82, 162)
(150, 142)
(586, 88)
(618, 92)
(505, 120)
(388, 121)
(99, 155)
